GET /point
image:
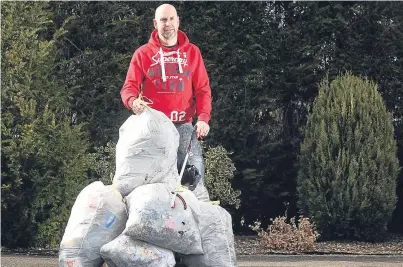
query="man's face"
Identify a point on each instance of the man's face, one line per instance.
(167, 22)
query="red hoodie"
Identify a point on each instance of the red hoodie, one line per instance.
(171, 78)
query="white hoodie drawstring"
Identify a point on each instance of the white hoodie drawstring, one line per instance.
(164, 78)
(162, 62)
(179, 62)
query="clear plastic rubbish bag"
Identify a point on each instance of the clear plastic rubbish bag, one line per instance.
(215, 225)
(98, 216)
(125, 251)
(146, 152)
(151, 219)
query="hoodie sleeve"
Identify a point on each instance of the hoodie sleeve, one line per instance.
(134, 78)
(201, 88)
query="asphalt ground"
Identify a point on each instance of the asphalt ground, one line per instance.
(8, 260)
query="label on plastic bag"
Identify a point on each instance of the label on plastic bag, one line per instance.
(71, 262)
(109, 219)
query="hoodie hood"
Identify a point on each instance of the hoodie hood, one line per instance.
(183, 43)
(183, 40)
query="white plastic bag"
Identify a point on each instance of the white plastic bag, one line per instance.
(124, 251)
(151, 219)
(215, 225)
(146, 151)
(98, 216)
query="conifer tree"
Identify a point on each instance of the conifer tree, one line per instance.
(45, 159)
(348, 161)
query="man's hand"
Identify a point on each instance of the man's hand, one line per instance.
(137, 106)
(202, 129)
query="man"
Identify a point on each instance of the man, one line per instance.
(170, 71)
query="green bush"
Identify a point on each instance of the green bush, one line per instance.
(105, 162)
(219, 174)
(348, 162)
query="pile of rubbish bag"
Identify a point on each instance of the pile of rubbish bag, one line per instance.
(146, 217)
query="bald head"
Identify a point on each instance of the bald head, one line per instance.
(166, 21)
(165, 9)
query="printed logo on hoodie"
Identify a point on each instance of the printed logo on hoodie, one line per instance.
(167, 71)
(170, 57)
